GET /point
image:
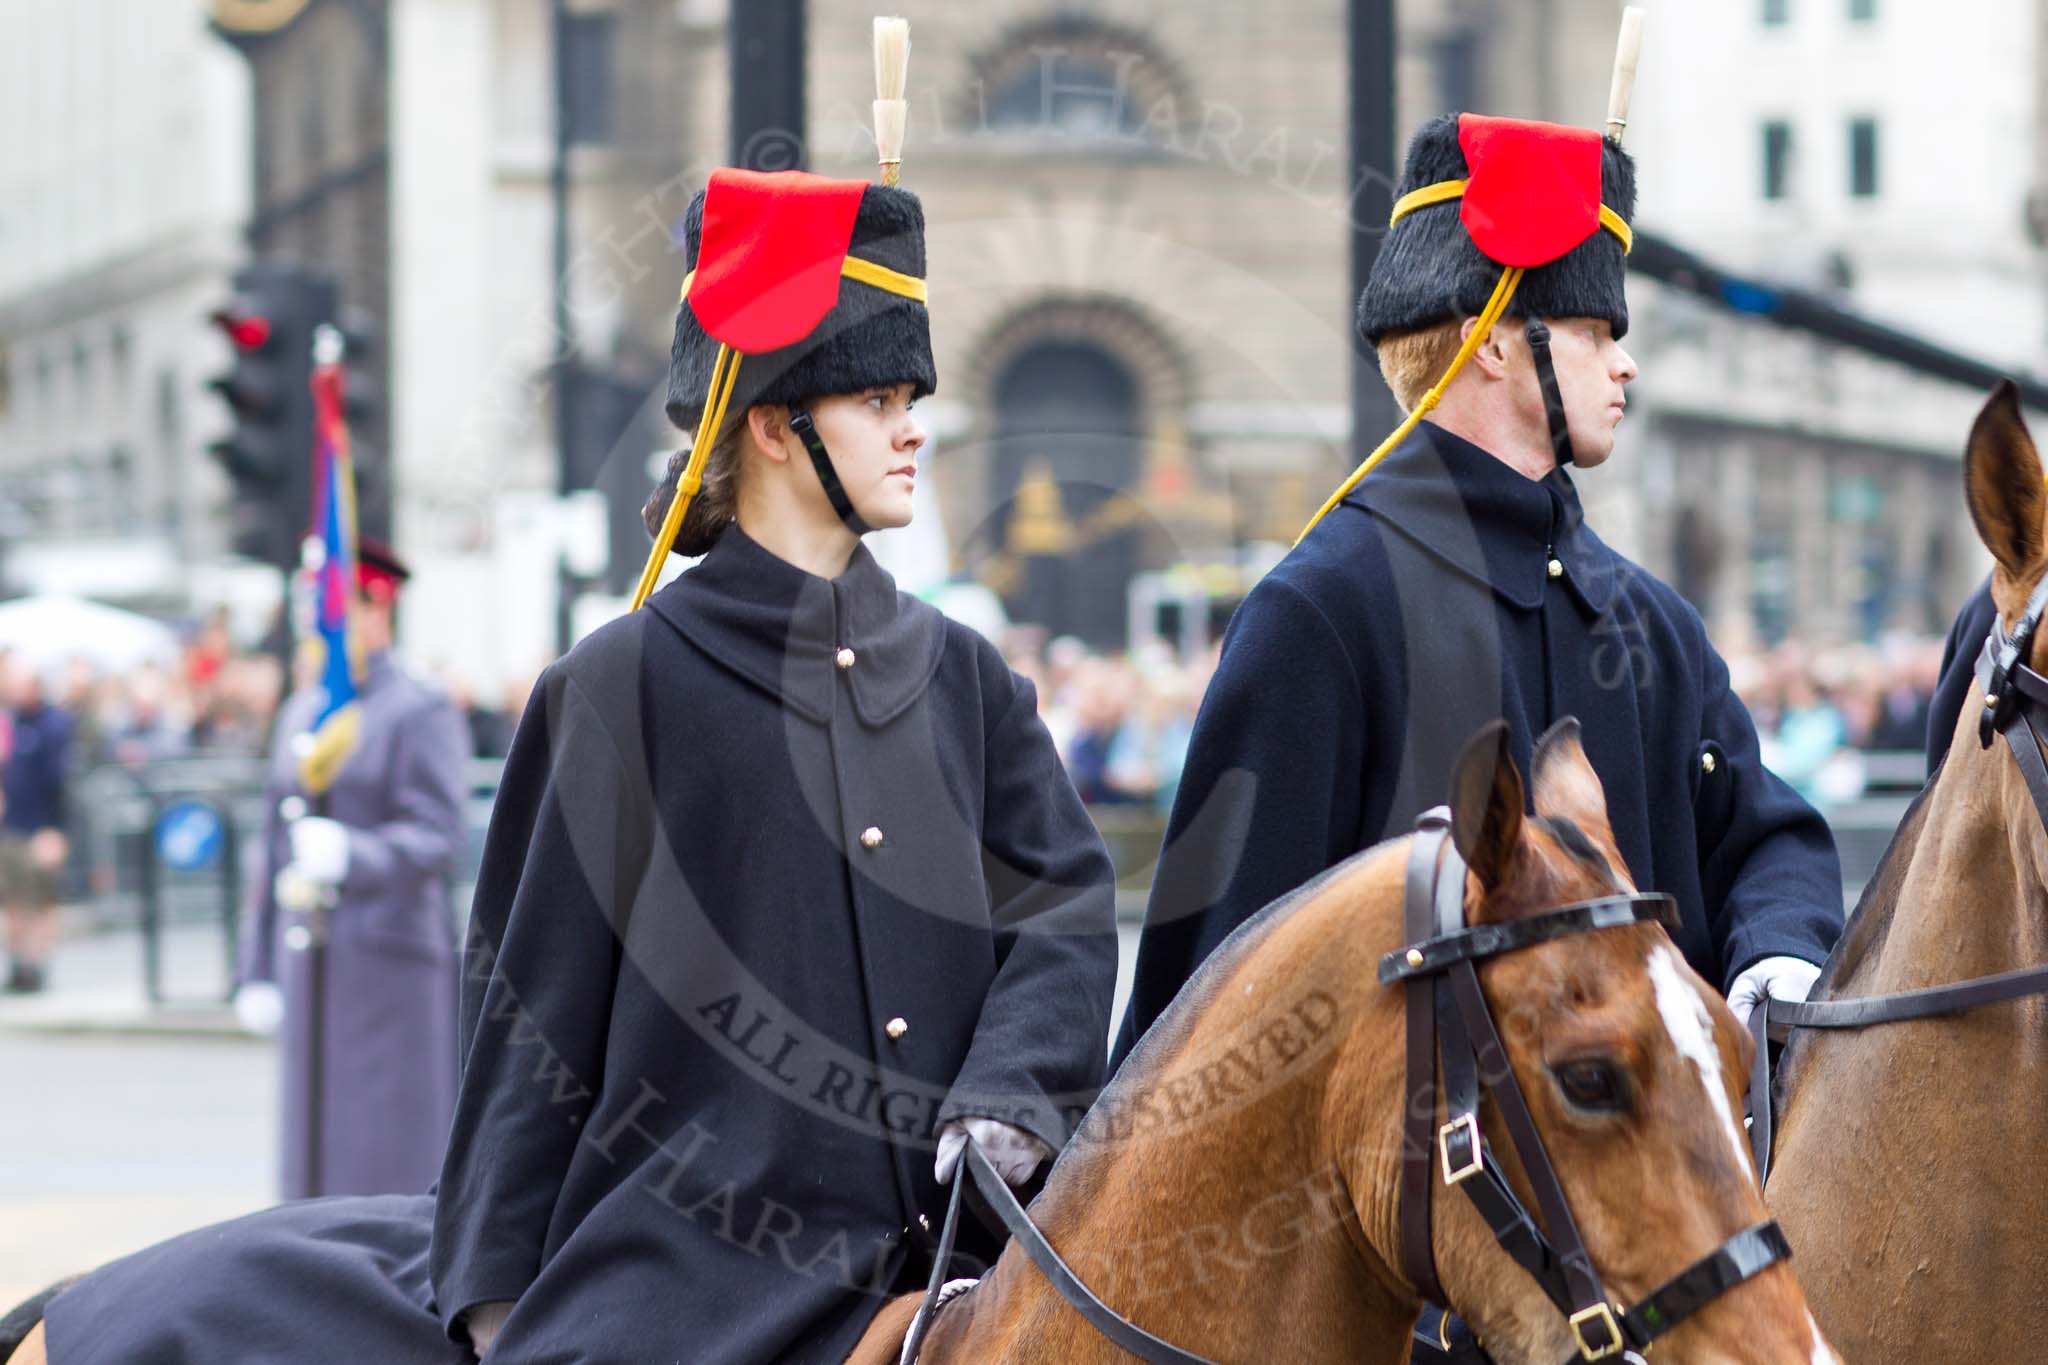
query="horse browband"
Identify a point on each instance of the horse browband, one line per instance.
(2012, 694)
(1440, 973)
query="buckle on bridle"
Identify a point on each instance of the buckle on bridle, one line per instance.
(1604, 1315)
(1475, 1158)
(2001, 696)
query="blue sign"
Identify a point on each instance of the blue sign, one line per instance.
(189, 835)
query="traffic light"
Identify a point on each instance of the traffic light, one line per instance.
(268, 453)
(362, 407)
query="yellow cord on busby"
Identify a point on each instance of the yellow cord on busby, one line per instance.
(725, 370)
(1503, 292)
(1448, 191)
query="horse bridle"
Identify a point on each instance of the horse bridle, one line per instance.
(1438, 970)
(2015, 702)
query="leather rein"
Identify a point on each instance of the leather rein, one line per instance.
(2015, 702)
(1438, 971)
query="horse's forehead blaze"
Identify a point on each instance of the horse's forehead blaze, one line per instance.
(1691, 1028)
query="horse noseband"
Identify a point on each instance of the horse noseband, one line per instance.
(1438, 969)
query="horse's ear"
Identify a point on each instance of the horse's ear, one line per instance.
(2002, 484)
(1486, 805)
(1565, 785)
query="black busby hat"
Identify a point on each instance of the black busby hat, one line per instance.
(1437, 264)
(1499, 217)
(818, 284)
(800, 287)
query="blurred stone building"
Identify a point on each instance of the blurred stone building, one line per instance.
(1139, 229)
(1888, 155)
(123, 188)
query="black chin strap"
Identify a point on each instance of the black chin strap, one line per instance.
(1553, 400)
(821, 460)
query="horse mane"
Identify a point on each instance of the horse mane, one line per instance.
(1177, 1021)
(1869, 924)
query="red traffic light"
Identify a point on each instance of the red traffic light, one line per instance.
(249, 331)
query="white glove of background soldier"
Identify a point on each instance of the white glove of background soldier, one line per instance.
(1789, 978)
(319, 849)
(259, 1007)
(1013, 1152)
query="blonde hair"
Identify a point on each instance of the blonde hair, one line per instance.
(717, 503)
(1414, 360)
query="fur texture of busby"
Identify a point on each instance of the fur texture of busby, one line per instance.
(870, 338)
(1429, 271)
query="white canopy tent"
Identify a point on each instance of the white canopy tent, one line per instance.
(51, 630)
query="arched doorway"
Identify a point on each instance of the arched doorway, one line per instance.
(1066, 459)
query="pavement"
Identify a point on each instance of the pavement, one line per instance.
(97, 985)
(126, 1121)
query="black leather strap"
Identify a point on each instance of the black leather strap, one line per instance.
(1553, 398)
(1925, 1003)
(1760, 1088)
(1429, 956)
(2002, 670)
(1742, 1257)
(821, 460)
(1127, 1335)
(941, 1260)
(1575, 1274)
(1419, 1122)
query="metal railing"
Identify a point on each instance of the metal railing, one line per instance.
(175, 840)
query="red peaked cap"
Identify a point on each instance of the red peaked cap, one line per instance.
(1533, 189)
(380, 573)
(769, 259)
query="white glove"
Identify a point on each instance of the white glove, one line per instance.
(1789, 978)
(259, 1007)
(319, 849)
(484, 1322)
(1013, 1152)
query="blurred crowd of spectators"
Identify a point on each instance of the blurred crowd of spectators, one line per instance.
(1122, 720)
(218, 700)
(1818, 712)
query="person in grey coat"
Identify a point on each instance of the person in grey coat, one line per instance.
(380, 847)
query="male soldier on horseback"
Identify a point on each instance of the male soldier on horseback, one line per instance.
(1460, 582)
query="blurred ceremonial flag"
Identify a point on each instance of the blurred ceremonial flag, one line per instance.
(331, 559)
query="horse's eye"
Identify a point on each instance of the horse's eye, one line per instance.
(1596, 1083)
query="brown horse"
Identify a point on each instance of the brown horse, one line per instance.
(1235, 1188)
(1909, 1155)
(1234, 1191)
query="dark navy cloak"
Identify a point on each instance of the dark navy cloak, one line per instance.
(1446, 590)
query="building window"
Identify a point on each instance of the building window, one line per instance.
(586, 75)
(1863, 158)
(1862, 11)
(1072, 82)
(1777, 159)
(1777, 13)
(1085, 93)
